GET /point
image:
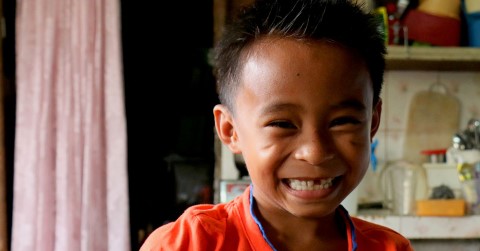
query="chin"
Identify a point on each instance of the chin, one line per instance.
(314, 212)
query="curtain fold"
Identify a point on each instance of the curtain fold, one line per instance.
(70, 177)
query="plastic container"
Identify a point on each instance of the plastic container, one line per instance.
(435, 155)
(473, 23)
(433, 29)
(472, 6)
(447, 8)
(404, 190)
(443, 174)
(454, 207)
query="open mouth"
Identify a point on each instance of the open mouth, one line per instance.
(309, 185)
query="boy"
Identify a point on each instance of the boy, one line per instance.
(299, 83)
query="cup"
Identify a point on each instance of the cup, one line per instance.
(471, 192)
(403, 189)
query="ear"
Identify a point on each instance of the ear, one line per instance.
(226, 128)
(376, 115)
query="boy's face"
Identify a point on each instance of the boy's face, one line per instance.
(303, 121)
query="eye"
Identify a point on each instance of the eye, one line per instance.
(282, 124)
(344, 121)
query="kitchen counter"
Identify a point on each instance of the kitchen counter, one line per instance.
(421, 227)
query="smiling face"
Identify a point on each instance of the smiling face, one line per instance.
(303, 120)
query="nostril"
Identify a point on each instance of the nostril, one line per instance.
(315, 146)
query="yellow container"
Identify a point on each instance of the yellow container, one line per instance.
(472, 6)
(447, 8)
(441, 207)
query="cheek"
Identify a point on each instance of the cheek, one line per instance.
(260, 144)
(360, 162)
(262, 157)
(355, 149)
(263, 161)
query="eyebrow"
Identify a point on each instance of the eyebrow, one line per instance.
(350, 103)
(278, 107)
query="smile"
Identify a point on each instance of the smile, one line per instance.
(309, 185)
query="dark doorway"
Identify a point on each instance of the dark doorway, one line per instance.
(170, 93)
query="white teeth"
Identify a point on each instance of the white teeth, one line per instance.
(309, 185)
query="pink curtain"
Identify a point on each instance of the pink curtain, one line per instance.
(70, 178)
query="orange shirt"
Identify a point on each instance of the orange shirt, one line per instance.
(232, 226)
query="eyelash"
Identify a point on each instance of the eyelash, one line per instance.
(282, 124)
(344, 120)
(335, 122)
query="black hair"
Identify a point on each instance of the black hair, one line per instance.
(340, 21)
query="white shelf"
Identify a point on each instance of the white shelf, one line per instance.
(416, 227)
(433, 58)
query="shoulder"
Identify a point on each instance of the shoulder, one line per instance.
(211, 218)
(198, 228)
(374, 236)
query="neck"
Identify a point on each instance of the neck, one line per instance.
(289, 232)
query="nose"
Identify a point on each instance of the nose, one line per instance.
(316, 149)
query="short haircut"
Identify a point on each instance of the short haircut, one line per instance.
(339, 21)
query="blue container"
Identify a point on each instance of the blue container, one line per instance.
(473, 23)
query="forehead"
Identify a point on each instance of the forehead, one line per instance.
(274, 64)
(298, 50)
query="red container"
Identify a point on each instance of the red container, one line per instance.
(432, 29)
(435, 155)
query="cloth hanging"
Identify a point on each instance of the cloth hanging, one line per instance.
(70, 177)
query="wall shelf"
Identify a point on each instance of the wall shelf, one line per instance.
(433, 58)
